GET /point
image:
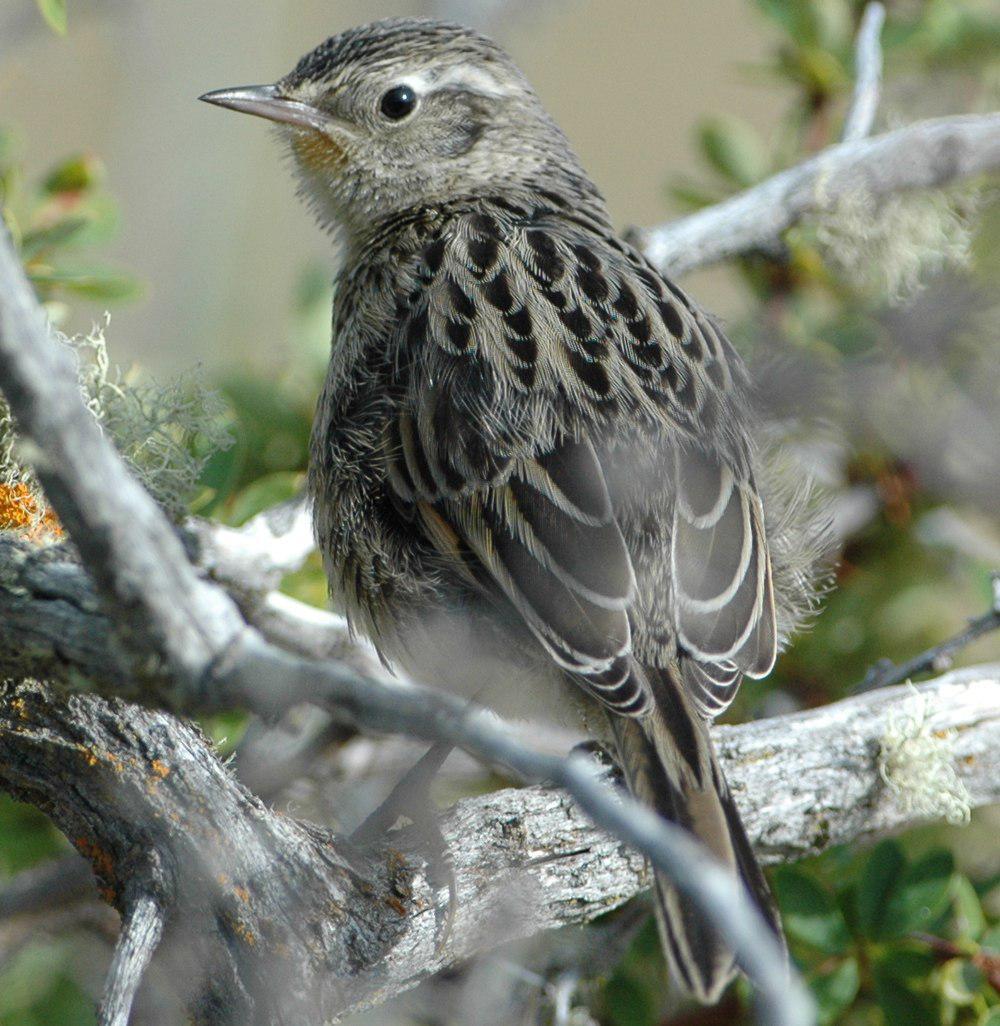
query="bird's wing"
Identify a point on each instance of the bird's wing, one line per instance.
(530, 343)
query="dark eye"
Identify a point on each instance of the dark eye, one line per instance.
(398, 102)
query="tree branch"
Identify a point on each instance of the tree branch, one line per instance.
(924, 155)
(867, 75)
(256, 886)
(142, 928)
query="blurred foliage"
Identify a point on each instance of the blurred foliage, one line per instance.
(54, 12)
(882, 937)
(56, 223)
(880, 321)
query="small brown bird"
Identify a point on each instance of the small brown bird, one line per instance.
(532, 466)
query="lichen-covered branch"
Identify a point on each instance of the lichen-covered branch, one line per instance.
(276, 903)
(928, 154)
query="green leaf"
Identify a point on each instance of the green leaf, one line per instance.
(908, 964)
(835, 991)
(921, 894)
(902, 1004)
(40, 239)
(75, 174)
(808, 912)
(690, 196)
(734, 149)
(54, 12)
(878, 878)
(263, 493)
(97, 283)
(969, 918)
(990, 1017)
(961, 982)
(990, 941)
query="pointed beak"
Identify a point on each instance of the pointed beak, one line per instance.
(265, 101)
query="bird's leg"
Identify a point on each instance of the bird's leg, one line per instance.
(411, 798)
(604, 758)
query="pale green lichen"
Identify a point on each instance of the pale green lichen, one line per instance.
(165, 433)
(892, 245)
(917, 764)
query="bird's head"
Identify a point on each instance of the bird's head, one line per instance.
(403, 112)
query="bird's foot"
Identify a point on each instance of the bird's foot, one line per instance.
(607, 763)
(411, 799)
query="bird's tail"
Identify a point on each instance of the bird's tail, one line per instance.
(669, 764)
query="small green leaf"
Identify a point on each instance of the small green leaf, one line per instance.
(74, 175)
(878, 878)
(961, 982)
(908, 964)
(264, 493)
(809, 913)
(835, 991)
(59, 234)
(990, 1017)
(969, 918)
(990, 941)
(734, 149)
(691, 196)
(901, 1003)
(95, 283)
(54, 12)
(921, 894)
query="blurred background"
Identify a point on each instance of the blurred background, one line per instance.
(873, 332)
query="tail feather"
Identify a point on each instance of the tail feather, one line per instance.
(669, 764)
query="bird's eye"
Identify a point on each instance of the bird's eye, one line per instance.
(398, 102)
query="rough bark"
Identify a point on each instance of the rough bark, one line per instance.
(278, 921)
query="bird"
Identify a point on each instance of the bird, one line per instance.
(534, 469)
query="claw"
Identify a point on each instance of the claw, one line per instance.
(411, 798)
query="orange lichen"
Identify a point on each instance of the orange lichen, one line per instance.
(245, 933)
(103, 864)
(160, 768)
(396, 905)
(21, 511)
(89, 756)
(242, 893)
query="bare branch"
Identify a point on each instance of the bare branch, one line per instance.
(142, 928)
(180, 635)
(255, 557)
(868, 75)
(924, 155)
(938, 657)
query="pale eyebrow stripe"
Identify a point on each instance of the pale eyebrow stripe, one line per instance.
(473, 78)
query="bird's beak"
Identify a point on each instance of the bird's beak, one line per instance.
(267, 102)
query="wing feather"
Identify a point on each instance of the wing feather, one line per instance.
(528, 344)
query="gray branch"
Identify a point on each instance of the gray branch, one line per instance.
(867, 75)
(925, 155)
(142, 928)
(180, 640)
(255, 887)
